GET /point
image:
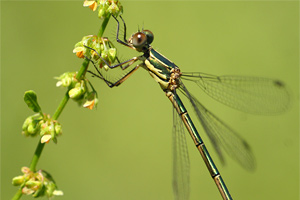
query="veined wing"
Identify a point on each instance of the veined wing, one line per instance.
(221, 135)
(181, 163)
(249, 94)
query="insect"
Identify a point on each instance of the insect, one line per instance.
(249, 94)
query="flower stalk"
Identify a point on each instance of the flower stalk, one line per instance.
(39, 183)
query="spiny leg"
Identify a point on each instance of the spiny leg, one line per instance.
(125, 40)
(117, 58)
(99, 75)
(121, 80)
(121, 42)
(130, 61)
(125, 43)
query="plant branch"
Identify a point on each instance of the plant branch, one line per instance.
(103, 26)
(81, 73)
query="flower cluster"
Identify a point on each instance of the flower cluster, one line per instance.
(96, 46)
(46, 127)
(66, 79)
(91, 100)
(98, 50)
(106, 7)
(36, 184)
(78, 89)
(31, 125)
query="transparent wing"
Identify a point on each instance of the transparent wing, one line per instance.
(221, 135)
(181, 163)
(249, 94)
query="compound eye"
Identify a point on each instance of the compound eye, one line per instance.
(139, 40)
(149, 35)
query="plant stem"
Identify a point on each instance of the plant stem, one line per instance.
(61, 106)
(66, 98)
(59, 110)
(103, 26)
(18, 194)
(83, 69)
(36, 156)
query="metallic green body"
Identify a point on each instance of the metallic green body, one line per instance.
(160, 68)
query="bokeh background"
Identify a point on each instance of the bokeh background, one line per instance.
(123, 149)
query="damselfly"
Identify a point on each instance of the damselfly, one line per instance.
(249, 94)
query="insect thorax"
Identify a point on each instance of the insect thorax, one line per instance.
(165, 72)
(174, 82)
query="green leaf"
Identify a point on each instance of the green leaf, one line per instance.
(30, 99)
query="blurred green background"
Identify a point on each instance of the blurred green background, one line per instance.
(123, 149)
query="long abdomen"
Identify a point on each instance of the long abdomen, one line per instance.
(177, 103)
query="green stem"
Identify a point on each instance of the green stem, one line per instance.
(40, 146)
(83, 69)
(36, 156)
(103, 26)
(60, 108)
(18, 194)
